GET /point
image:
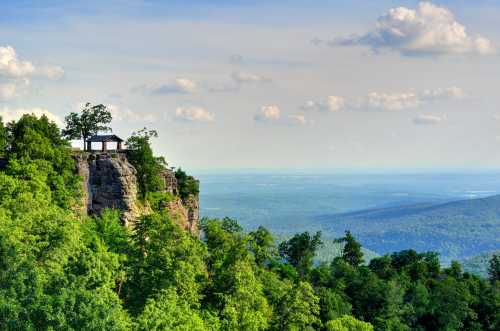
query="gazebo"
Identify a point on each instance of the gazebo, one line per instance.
(105, 139)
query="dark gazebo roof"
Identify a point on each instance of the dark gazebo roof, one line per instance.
(104, 138)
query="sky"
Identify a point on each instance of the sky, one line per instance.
(290, 84)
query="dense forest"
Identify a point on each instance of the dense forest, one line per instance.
(63, 270)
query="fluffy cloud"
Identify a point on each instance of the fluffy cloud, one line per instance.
(269, 113)
(245, 77)
(194, 114)
(386, 101)
(12, 67)
(177, 86)
(427, 120)
(124, 114)
(14, 114)
(428, 29)
(15, 74)
(332, 104)
(272, 114)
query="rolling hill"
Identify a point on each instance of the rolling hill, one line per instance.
(457, 230)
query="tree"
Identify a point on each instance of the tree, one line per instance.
(188, 185)
(147, 165)
(300, 309)
(494, 268)
(348, 323)
(166, 311)
(262, 246)
(91, 121)
(3, 139)
(351, 253)
(299, 251)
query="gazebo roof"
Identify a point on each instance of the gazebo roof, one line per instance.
(104, 138)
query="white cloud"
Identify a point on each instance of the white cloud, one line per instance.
(245, 77)
(427, 120)
(177, 86)
(428, 29)
(125, 114)
(11, 66)
(386, 101)
(272, 114)
(8, 114)
(394, 101)
(194, 114)
(269, 113)
(15, 74)
(332, 104)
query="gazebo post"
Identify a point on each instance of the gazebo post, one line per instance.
(89, 146)
(119, 146)
(104, 146)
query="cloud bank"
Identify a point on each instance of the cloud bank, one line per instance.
(428, 29)
(385, 101)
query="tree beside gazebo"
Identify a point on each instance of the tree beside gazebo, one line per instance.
(92, 120)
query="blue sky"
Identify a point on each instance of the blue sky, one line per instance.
(268, 84)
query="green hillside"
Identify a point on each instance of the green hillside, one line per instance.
(456, 230)
(479, 264)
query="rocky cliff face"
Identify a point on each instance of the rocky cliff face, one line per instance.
(111, 182)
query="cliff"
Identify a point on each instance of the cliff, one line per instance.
(109, 181)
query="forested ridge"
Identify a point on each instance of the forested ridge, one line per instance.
(63, 270)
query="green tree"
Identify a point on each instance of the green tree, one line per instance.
(300, 309)
(4, 142)
(188, 185)
(92, 120)
(351, 253)
(300, 250)
(262, 245)
(348, 323)
(166, 311)
(147, 165)
(494, 268)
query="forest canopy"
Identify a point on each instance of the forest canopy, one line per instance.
(61, 270)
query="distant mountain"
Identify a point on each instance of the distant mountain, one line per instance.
(479, 264)
(456, 230)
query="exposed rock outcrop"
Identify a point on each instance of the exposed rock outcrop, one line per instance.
(110, 181)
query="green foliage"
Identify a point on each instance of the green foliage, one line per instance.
(159, 200)
(92, 120)
(300, 250)
(351, 253)
(60, 270)
(348, 323)
(494, 268)
(166, 311)
(300, 309)
(188, 185)
(3, 138)
(147, 165)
